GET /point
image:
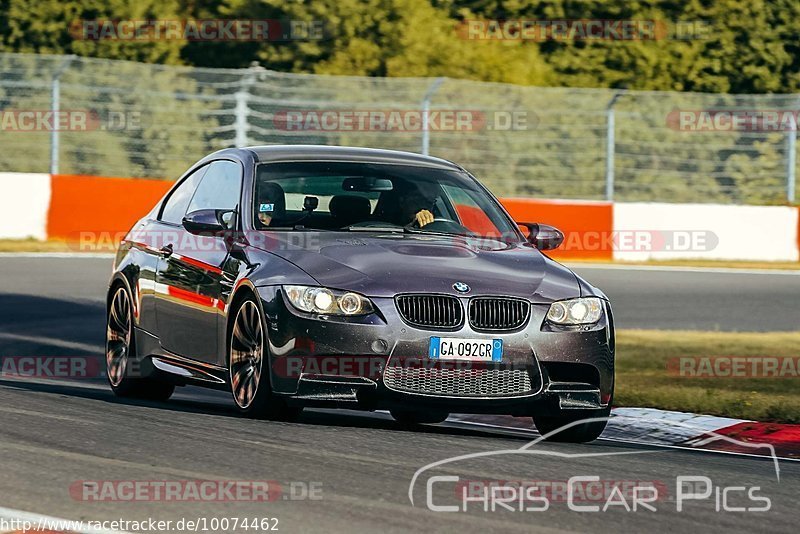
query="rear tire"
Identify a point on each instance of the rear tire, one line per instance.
(418, 418)
(249, 377)
(121, 351)
(579, 433)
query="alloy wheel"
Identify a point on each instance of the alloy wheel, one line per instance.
(118, 337)
(247, 349)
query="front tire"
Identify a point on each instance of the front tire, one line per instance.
(121, 350)
(247, 372)
(578, 432)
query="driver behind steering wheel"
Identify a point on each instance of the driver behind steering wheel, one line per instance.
(412, 207)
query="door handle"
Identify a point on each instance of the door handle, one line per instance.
(166, 251)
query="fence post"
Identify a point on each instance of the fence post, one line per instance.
(791, 159)
(242, 110)
(610, 141)
(55, 108)
(426, 107)
(240, 114)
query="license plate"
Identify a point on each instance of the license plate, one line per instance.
(453, 348)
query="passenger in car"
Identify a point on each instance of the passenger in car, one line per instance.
(271, 203)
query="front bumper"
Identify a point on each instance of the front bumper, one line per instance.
(338, 362)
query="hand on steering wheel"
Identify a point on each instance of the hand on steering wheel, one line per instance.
(423, 217)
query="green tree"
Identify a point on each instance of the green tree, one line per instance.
(53, 27)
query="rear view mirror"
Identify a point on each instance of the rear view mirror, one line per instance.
(543, 236)
(367, 184)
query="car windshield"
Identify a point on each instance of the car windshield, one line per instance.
(376, 197)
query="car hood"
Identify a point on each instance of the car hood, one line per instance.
(386, 264)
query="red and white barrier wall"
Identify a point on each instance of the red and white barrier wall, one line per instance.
(43, 206)
(708, 231)
(24, 200)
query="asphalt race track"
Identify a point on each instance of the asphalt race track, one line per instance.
(345, 471)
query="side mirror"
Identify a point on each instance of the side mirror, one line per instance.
(208, 222)
(543, 236)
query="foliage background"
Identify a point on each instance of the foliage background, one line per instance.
(382, 49)
(751, 47)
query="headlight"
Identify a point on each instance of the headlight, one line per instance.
(576, 311)
(327, 301)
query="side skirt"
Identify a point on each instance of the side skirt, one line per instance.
(175, 368)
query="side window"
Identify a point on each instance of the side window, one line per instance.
(219, 188)
(175, 207)
(470, 212)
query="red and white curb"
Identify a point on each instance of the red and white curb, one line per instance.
(650, 426)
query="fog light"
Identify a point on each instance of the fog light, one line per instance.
(379, 346)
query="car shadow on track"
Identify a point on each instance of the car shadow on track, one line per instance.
(31, 325)
(98, 390)
(217, 404)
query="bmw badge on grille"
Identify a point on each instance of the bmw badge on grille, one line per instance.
(461, 287)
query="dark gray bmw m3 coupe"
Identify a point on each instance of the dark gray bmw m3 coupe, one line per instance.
(302, 276)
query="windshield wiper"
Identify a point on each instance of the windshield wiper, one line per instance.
(395, 229)
(398, 230)
(430, 232)
(295, 228)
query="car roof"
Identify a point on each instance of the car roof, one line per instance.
(284, 153)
